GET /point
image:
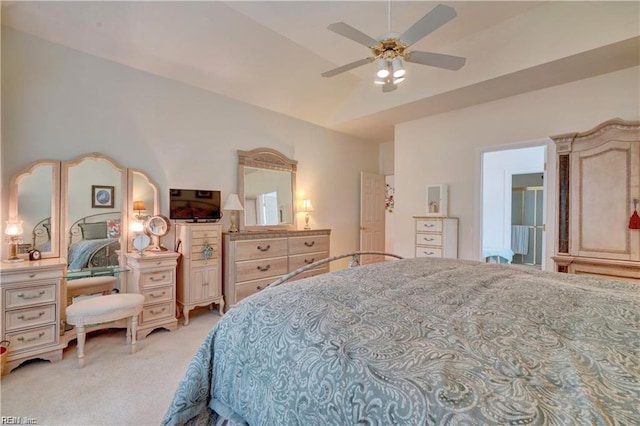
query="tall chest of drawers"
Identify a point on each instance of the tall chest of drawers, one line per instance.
(154, 276)
(253, 260)
(200, 272)
(31, 295)
(436, 236)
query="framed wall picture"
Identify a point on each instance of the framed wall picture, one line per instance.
(102, 196)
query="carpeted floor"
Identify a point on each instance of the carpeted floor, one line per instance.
(115, 387)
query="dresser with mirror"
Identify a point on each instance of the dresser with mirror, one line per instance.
(77, 215)
(268, 244)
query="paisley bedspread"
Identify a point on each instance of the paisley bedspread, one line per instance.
(421, 342)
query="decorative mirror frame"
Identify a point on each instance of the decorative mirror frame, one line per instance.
(268, 159)
(54, 222)
(132, 196)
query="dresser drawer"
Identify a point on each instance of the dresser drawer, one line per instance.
(261, 249)
(311, 273)
(248, 288)
(299, 245)
(198, 245)
(262, 268)
(429, 225)
(428, 252)
(31, 276)
(205, 232)
(157, 312)
(429, 239)
(29, 317)
(35, 295)
(151, 279)
(158, 294)
(32, 338)
(301, 260)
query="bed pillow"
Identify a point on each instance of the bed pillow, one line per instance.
(93, 231)
(113, 228)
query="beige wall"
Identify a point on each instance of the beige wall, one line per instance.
(446, 148)
(58, 103)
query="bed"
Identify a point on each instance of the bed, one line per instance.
(422, 341)
(94, 241)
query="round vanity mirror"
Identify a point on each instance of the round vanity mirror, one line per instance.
(157, 226)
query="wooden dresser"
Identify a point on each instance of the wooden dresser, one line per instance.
(598, 180)
(436, 236)
(253, 260)
(200, 272)
(31, 304)
(154, 276)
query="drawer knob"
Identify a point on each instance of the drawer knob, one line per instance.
(158, 262)
(31, 295)
(31, 339)
(23, 318)
(267, 247)
(263, 268)
(428, 225)
(309, 244)
(260, 287)
(429, 239)
(309, 261)
(158, 295)
(158, 279)
(154, 312)
(32, 275)
(428, 253)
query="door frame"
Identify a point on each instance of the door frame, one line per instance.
(549, 198)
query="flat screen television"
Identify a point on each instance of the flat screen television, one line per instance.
(194, 205)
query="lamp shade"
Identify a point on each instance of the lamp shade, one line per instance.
(233, 203)
(306, 206)
(13, 228)
(139, 205)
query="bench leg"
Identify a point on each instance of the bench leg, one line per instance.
(131, 332)
(81, 336)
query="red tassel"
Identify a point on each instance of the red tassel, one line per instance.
(634, 222)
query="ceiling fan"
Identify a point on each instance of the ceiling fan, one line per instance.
(390, 48)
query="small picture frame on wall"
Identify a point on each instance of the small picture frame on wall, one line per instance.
(437, 197)
(102, 196)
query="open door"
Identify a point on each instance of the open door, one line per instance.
(372, 215)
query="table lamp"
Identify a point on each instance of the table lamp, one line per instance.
(13, 230)
(233, 205)
(306, 207)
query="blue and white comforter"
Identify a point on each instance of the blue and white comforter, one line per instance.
(420, 342)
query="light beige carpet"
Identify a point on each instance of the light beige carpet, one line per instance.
(115, 387)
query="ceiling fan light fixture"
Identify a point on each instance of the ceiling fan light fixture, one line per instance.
(397, 80)
(398, 70)
(379, 81)
(383, 68)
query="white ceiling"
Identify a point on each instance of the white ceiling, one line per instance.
(271, 53)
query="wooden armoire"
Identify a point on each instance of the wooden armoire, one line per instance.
(598, 189)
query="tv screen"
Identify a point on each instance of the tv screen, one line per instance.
(194, 204)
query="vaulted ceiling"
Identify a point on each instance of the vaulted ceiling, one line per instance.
(271, 53)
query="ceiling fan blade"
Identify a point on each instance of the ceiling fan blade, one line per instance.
(349, 32)
(439, 60)
(347, 67)
(389, 87)
(430, 22)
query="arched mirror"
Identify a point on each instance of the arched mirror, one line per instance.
(34, 200)
(266, 186)
(143, 198)
(93, 197)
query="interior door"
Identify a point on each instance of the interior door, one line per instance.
(372, 215)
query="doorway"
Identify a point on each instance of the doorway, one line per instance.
(527, 226)
(497, 209)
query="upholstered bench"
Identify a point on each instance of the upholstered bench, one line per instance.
(102, 309)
